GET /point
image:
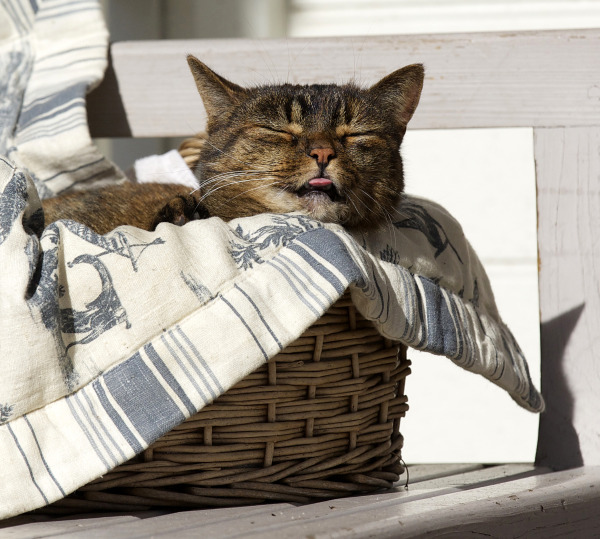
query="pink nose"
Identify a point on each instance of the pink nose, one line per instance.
(322, 155)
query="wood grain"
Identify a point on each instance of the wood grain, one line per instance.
(473, 80)
(568, 181)
(560, 504)
(450, 501)
(428, 482)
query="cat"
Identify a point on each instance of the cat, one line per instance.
(329, 151)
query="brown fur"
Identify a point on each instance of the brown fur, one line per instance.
(265, 144)
(140, 205)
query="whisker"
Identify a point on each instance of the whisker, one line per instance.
(227, 154)
(386, 214)
(250, 190)
(220, 178)
(244, 193)
(223, 175)
(209, 184)
(355, 207)
(228, 184)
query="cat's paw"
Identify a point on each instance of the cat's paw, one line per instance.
(180, 210)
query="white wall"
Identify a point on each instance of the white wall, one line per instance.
(486, 179)
(369, 17)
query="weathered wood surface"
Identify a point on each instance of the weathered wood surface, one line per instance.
(502, 501)
(425, 481)
(568, 182)
(524, 79)
(40, 525)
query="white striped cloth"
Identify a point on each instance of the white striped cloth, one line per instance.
(108, 342)
(53, 51)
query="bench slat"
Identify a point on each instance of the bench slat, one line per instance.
(528, 79)
(429, 481)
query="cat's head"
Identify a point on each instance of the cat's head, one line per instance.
(329, 151)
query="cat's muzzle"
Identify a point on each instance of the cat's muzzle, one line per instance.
(319, 187)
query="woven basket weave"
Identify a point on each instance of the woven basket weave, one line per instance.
(319, 420)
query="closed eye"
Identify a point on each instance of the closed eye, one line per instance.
(274, 130)
(269, 129)
(360, 134)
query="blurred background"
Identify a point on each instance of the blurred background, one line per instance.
(485, 177)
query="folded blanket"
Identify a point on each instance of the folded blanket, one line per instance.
(110, 341)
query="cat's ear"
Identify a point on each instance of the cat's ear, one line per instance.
(400, 91)
(217, 93)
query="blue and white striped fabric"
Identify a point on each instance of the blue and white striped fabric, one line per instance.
(51, 53)
(108, 342)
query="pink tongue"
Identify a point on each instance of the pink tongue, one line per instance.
(319, 182)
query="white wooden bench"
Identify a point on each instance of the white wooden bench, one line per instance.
(548, 81)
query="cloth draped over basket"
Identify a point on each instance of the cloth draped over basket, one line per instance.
(108, 342)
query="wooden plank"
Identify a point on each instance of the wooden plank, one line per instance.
(139, 524)
(473, 80)
(427, 472)
(479, 477)
(27, 526)
(568, 180)
(429, 480)
(558, 504)
(231, 522)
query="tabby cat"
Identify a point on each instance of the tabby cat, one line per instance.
(329, 151)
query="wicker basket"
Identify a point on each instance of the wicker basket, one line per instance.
(320, 420)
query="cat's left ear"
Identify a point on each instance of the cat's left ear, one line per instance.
(400, 91)
(217, 93)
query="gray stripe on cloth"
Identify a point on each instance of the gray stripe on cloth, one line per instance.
(44, 105)
(70, 64)
(69, 123)
(116, 418)
(93, 425)
(37, 443)
(15, 439)
(262, 319)
(132, 383)
(421, 316)
(293, 287)
(309, 279)
(441, 331)
(107, 435)
(46, 16)
(40, 59)
(42, 113)
(168, 377)
(307, 287)
(22, 21)
(84, 429)
(76, 169)
(199, 359)
(329, 246)
(252, 334)
(182, 366)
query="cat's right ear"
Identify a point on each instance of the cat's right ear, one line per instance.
(218, 94)
(400, 92)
